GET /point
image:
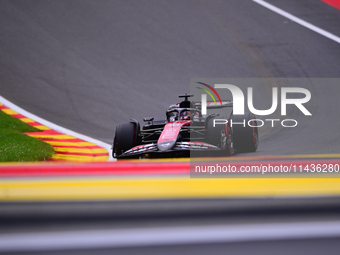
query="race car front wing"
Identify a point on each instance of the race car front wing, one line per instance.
(179, 146)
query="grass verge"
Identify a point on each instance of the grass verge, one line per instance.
(15, 146)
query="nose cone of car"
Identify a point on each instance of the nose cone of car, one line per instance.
(165, 146)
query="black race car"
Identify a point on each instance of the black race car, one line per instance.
(185, 131)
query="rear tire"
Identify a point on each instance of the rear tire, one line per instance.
(125, 138)
(220, 136)
(246, 138)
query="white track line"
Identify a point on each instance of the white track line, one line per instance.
(64, 240)
(54, 126)
(298, 20)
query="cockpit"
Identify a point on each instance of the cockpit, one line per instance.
(185, 110)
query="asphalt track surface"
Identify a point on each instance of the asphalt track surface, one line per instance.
(88, 65)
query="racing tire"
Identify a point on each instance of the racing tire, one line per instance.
(220, 136)
(125, 137)
(246, 138)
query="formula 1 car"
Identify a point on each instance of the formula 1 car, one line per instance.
(185, 131)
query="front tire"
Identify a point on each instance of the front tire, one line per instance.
(125, 138)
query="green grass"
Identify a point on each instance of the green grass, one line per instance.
(15, 146)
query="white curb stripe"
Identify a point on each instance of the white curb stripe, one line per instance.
(298, 20)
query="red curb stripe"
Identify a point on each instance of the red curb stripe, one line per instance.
(142, 168)
(334, 3)
(47, 132)
(2, 107)
(18, 116)
(103, 168)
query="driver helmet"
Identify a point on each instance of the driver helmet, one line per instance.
(185, 115)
